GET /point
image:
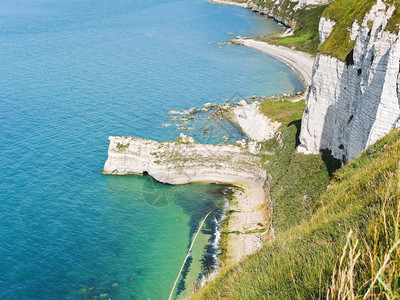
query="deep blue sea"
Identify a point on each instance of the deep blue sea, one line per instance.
(74, 72)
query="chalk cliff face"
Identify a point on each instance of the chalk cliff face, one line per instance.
(351, 105)
(273, 11)
(185, 161)
(325, 29)
(304, 3)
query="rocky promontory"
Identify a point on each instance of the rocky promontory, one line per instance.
(185, 161)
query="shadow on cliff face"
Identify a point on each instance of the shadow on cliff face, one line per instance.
(332, 164)
(296, 123)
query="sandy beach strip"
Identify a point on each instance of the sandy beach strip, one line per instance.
(225, 2)
(249, 222)
(300, 62)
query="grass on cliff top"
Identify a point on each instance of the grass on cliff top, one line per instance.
(394, 21)
(313, 255)
(284, 9)
(344, 13)
(306, 22)
(305, 37)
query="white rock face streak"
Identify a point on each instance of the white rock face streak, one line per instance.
(304, 3)
(350, 107)
(325, 29)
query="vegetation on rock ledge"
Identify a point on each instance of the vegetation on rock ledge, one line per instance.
(345, 13)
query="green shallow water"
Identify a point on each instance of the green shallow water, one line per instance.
(161, 229)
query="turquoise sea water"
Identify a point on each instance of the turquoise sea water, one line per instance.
(75, 72)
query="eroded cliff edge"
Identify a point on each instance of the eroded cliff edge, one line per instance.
(185, 161)
(354, 100)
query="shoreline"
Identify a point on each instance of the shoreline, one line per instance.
(243, 218)
(231, 3)
(254, 124)
(249, 222)
(300, 62)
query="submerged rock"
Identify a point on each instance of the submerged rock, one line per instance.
(225, 106)
(114, 285)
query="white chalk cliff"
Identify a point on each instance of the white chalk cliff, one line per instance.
(185, 161)
(351, 106)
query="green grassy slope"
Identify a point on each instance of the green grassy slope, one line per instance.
(312, 224)
(305, 37)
